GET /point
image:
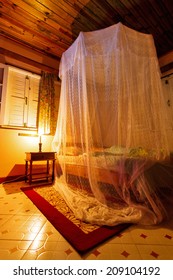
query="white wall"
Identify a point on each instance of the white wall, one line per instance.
(13, 148)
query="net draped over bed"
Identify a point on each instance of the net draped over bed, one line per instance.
(111, 136)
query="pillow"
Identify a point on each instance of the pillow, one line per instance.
(117, 150)
(138, 152)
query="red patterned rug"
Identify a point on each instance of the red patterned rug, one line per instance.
(82, 236)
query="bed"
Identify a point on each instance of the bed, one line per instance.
(114, 171)
(77, 173)
(112, 105)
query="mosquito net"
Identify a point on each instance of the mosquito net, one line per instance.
(111, 138)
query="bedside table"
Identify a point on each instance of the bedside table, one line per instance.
(39, 156)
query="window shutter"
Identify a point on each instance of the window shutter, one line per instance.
(17, 92)
(33, 101)
(20, 102)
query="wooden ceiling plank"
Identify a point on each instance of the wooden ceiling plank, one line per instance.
(168, 4)
(55, 10)
(44, 18)
(124, 14)
(158, 7)
(67, 8)
(136, 22)
(28, 35)
(151, 25)
(119, 7)
(85, 20)
(54, 48)
(146, 12)
(165, 15)
(25, 35)
(140, 24)
(87, 15)
(52, 15)
(88, 22)
(51, 26)
(82, 2)
(37, 46)
(81, 20)
(30, 21)
(103, 14)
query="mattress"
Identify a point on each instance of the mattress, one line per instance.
(106, 158)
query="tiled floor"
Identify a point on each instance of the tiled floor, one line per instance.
(25, 234)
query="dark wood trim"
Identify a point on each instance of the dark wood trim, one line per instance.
(166, 67)
(168, 75)
(27, 61)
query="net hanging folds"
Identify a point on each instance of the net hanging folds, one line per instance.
(111, 138)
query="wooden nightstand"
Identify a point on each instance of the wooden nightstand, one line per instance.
(39, 156)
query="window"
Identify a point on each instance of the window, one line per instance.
(19, 100)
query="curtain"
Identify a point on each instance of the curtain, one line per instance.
(47, 114)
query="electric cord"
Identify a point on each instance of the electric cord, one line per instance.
(14, 180)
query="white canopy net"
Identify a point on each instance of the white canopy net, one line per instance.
(111, 137)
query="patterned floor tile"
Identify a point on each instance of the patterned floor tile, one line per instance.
(26, 234)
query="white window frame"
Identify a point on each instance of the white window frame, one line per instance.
(20, 95)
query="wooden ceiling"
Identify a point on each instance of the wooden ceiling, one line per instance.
(50, 26)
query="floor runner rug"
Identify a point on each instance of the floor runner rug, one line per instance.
(82, 236)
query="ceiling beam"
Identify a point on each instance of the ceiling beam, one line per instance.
(18, 57)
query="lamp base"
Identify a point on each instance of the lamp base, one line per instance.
(40, 147)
